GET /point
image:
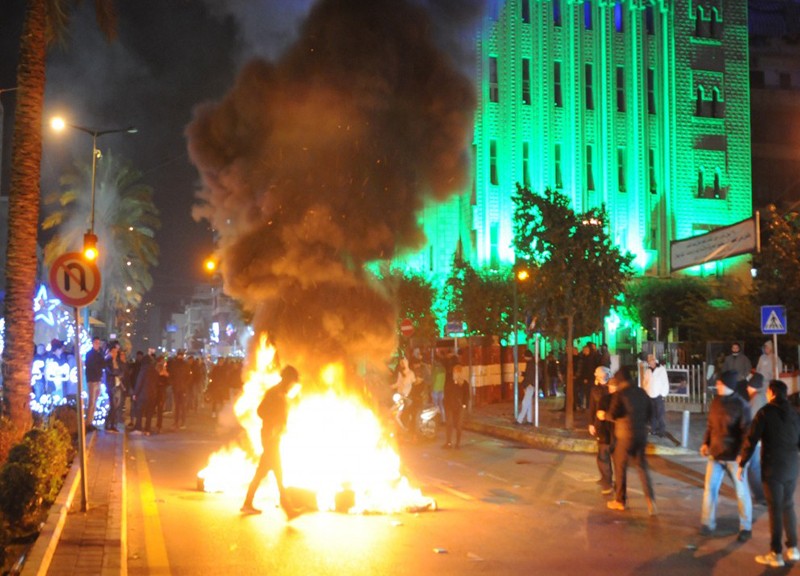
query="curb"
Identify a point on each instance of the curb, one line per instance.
(555, 439)
(39, 557)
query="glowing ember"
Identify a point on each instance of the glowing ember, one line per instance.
(334, 447)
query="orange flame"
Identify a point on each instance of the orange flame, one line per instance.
(334, 444)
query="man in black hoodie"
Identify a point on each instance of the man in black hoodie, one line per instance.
(630, 410)
(777, 426)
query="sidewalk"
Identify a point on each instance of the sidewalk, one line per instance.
(95, 542)
(498, 420)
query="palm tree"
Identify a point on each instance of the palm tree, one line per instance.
(126, 221)
(45, 20)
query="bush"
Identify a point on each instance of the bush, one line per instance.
(34, 473)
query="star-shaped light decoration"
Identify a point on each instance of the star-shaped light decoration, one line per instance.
(43, 306)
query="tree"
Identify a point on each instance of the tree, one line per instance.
(577, 274)
(415, 297)
(671, 299)
(45, 20)
(778, 264)
(127, 221)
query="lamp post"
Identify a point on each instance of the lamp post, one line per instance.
(519, 275)
(58, 124)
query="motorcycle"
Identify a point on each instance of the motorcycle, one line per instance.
(424, 425)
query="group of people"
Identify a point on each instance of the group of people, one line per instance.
(445, 382)
(752, 436)
(148, 384)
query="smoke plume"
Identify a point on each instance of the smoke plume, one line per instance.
(317, 163)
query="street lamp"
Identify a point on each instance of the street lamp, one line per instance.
(58, 124)
(520, 275)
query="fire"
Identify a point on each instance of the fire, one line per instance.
(335, 447)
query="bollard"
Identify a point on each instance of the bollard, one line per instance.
(685, 430)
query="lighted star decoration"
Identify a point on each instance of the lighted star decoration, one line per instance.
(43, 306)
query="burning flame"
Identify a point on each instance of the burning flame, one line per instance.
(335, 447)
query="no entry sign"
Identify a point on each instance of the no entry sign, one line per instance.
(406, 328)
(74, 280)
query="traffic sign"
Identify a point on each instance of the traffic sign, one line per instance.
(407, 328)
(454, 327)
(74, 280)
(773, 320)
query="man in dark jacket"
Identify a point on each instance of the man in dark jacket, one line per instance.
(777, 426)
(600, 399)
(94, 363)
(728, 420)
(274, 412)
(630, 410)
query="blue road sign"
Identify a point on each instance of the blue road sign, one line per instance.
(773, 320)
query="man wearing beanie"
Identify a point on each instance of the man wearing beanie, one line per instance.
(728, 421)
(757, 397)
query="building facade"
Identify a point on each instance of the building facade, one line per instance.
(639, 105)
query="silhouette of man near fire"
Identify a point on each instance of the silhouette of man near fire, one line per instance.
(273, 412)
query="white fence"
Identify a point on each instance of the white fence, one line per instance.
(688, 387)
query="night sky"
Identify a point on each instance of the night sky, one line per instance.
(170, 57)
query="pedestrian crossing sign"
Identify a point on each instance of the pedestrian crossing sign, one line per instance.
(773, 320)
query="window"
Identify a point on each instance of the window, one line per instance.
(559, 179)
(493, 179)
(526, 11)
(589, 87)
(699, 23)
(714, 24)
(699, 108)
(587, 14)
(494, 86)
(717, 189)
(651, 169)
(494, 241)
(649, 20)
(526, 81)
(621, 169)
(619, 24)
(589, 169)
(557, 84)
(556, 12)
(526, 164)
(651, 91)
(620, 89)
(716, 104)
(700, 183)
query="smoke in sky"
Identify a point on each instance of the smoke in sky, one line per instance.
(317, 163)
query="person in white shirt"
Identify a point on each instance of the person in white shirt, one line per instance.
(656, 384)
(769, 364)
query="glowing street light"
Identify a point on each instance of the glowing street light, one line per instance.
(58, 124)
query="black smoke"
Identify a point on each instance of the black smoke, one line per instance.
(317, 163)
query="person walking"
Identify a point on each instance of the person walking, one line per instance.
(728, 420)
(180, 378)
(777, 427)
(94, 364)
(115, 371)
(600, 399)
(456, 398)
(656, 384)
(526, 408)
(630, 410)
(145, 393)
(757, 398)
(274, 412)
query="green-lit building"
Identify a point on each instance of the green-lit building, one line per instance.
(641, 105)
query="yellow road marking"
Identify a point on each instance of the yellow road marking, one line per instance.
(155, 547)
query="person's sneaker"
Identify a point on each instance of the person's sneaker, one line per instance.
(248, 509)
(292, 513)
(774, 559)
(615, 505)
(606, 491)
(744, 535)
(706, 531)
(136, 432)
(792, 554)
(652, 509)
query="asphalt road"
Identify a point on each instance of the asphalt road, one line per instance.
(504, 509)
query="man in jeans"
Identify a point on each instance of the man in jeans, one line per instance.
(94, 363)
(777, 426)
(728, 421)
